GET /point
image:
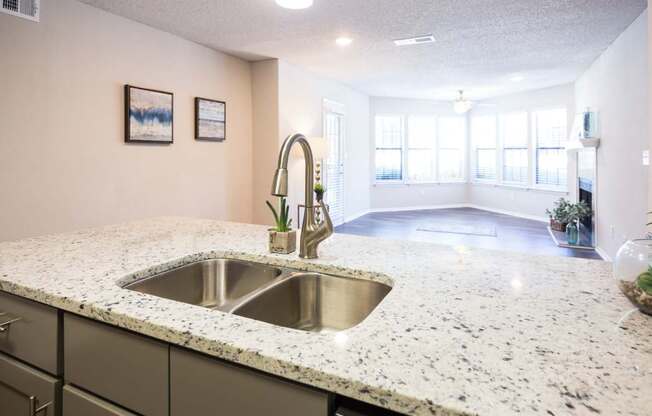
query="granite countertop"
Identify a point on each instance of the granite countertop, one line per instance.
(463, 331)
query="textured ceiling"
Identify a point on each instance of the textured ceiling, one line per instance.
(480, 44)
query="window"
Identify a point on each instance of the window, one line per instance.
(514, 138)
(421, 149)
(550, 133)
(389, 148)
(483, 135)
(451, 137)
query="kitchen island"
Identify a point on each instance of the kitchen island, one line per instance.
(462, 332)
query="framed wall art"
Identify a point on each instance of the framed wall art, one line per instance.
(210, 120)
(149, 115)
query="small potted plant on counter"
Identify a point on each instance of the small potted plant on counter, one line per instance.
(559, 215)
(282, 238)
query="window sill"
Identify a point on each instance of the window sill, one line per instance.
(390, 183)
(522, 187)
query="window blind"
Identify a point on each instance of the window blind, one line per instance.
(483, 136)
(550, 133)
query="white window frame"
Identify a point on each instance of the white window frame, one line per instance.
(377, 181)
(500, 149)
(474, 153)
(500, 158)
(405, 149)
(533, 150)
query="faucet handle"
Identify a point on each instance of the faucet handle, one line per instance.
(326, 223)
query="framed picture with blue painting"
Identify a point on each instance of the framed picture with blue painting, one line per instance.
(210, 119)
(149, 115)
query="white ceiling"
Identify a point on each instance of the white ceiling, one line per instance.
(480, 44)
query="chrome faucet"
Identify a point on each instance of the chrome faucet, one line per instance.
(312, 233)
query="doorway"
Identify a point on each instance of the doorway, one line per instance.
(334, 127)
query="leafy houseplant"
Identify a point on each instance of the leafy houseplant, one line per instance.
(282, 238)
(282, 220)
(559, 215)
(578, 212)
(319, 191)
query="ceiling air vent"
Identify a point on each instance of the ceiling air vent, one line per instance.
(418, 40)
(27, 9)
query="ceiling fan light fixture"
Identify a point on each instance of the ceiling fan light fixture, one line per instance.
(294, 4)
(461, 105)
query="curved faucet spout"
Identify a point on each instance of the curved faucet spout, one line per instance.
(312, 233)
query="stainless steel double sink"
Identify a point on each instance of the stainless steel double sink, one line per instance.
(301, 300)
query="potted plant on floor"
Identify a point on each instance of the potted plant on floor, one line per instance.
(282, 238)
(559, 215)
(576, 213)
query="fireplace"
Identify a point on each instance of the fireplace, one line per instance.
(586, 190)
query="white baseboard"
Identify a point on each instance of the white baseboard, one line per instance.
(418, 208)
(603, 254)
(511, 213)
(356, 216)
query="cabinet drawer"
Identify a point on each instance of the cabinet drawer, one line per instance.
(125, 368)
(26, 391)
(79, 403)
(201, 385)
(34, 335)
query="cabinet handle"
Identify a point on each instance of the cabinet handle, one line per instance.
(6, 320)
(33, 410)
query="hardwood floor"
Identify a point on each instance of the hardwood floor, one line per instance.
(512, 233)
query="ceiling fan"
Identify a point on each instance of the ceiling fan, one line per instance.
(462, 105)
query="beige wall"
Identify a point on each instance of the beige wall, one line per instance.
(301, 96)
(649, 117)
(615, 86)
(266, 135)
(62, 158)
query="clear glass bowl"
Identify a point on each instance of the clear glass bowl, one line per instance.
(633, 270)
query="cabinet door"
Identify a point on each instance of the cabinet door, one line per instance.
(25, 391)
(201, 385)
(125, 368)
(79, 403)
(31, 333)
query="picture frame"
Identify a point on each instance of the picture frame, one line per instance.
(210, 120)
(149, 115)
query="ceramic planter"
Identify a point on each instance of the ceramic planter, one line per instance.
(282, 243)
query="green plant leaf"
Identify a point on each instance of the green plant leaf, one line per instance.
(276, 220)
(644, 282)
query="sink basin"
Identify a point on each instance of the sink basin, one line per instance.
(315, 302)
(306, 301)
(211, 283)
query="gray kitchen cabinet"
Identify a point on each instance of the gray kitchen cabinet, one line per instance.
(29, 331)
(79, 403)
(25, 391)
(123, 367)
(201, 385)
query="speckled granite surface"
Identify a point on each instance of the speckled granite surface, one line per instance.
(462, 332)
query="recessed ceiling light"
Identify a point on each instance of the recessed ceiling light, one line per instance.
(294, 4)
(344, 41)
(517, 78)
